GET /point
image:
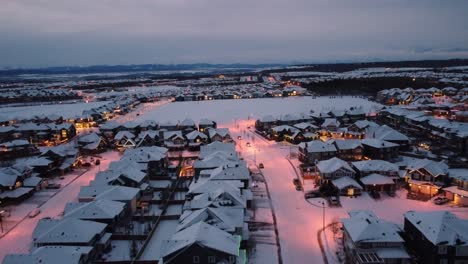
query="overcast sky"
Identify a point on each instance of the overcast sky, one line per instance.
(37, 33)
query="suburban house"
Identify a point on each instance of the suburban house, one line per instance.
(204, 124)
(348, 149)
(174, 140)
(202, 243)
(17, 148)
(102, 211)
(437, 236)
(380, 149)
(370, 240)
(334, 168)
(347, 186)
(219, 134)
(316, 150)
(426, 176)
(195, 139)
(53, 255)
(458, 191)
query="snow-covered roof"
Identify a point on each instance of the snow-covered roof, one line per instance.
(207, 186)
(95, 210)
(344, 182)
(440, 227)
(377, 179)
(145, 154)
(375, 165)
(194, 134)
(346, 144)
(377, 143)
(305, 125)
(66, 231)
(364, 226)
(227, 219)
(218, 131)
(386, 133)
(282, 128)
(433, 167)
(114, 193)
(50, 255)
(124, 134)
(218, 198)
(237, 172)
(318, 146)
(459, 174)
(206, 236)
(332, 165)
(330, 122)
(217, 146)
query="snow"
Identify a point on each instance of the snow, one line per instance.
(18, 240)
(66, 110)
(253, 108)
(164, 231)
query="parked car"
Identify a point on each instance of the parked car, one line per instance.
(297, 184)
(261, 166)
(54, 186)
(34, 213)
(334, 200)
(299, 187)
(248, 144)
(441, 200)
(98, 161)
(311, 194)
(239, 137)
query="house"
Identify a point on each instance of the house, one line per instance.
(103, 211)
(52, 255)
(221, 197)
(202, 243)
(382, 167)
(379, 149)
(437, 236)
(91, 144)
(347, 186)
(215, 160)
(458, 192)
(310, 152)
(71, 232)
(219, 134)
(306, 127)
(330, 124)
(17, 148)
(236, 172)
(278, 133)
(370, 240)
(348, 149)
(204, 124)
(334, 168)
(148, 138)
(127, 195)
(126, 175)
(230, 220)
(195, 139)
(378, 183)
(154, 159)
(174, 140)
(265, 123)
(388, 134)
(187, 125)
(427, 177)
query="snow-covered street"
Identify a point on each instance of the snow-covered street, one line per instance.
(19, 239)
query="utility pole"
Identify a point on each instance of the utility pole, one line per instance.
(323, 218)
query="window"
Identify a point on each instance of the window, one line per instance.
(211, 259)
(232, 259)
(442, 250)
(196, 259)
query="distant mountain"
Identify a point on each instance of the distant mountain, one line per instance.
(133, 68)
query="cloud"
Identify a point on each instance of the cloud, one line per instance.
(69, 32)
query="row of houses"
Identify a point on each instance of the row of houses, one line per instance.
(427, 237)
(409, 95)
(424, 177)
(443, 136)
(85, 231)
(213, 227)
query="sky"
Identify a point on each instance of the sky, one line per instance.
(40, 33)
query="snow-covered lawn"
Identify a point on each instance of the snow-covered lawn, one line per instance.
(224, 111)
(19, 239)
(66, 110)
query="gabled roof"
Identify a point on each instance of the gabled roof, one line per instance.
(375, 165)
(330, 122)
(218, 131)
(50, 255)
(346, 144)
(318, 146)
(99, 209)
(206, 122)
(124, 134)
(66, 231)
(206, 236)
(305, 125)
(146, 154)
(113, 193)
(344, 182)
(377, 143)
(440, 227)
(433, 167)
(216, 146)
(377, 179)
(194, 134)
(227, 219)
(89, 138)
(332, 165)
(238, 172)
(206, 186)
(364, 226)
(218, 198)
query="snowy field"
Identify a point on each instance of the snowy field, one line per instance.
(224, 111)
(65, 110)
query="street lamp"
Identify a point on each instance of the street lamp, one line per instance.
(323, 216)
